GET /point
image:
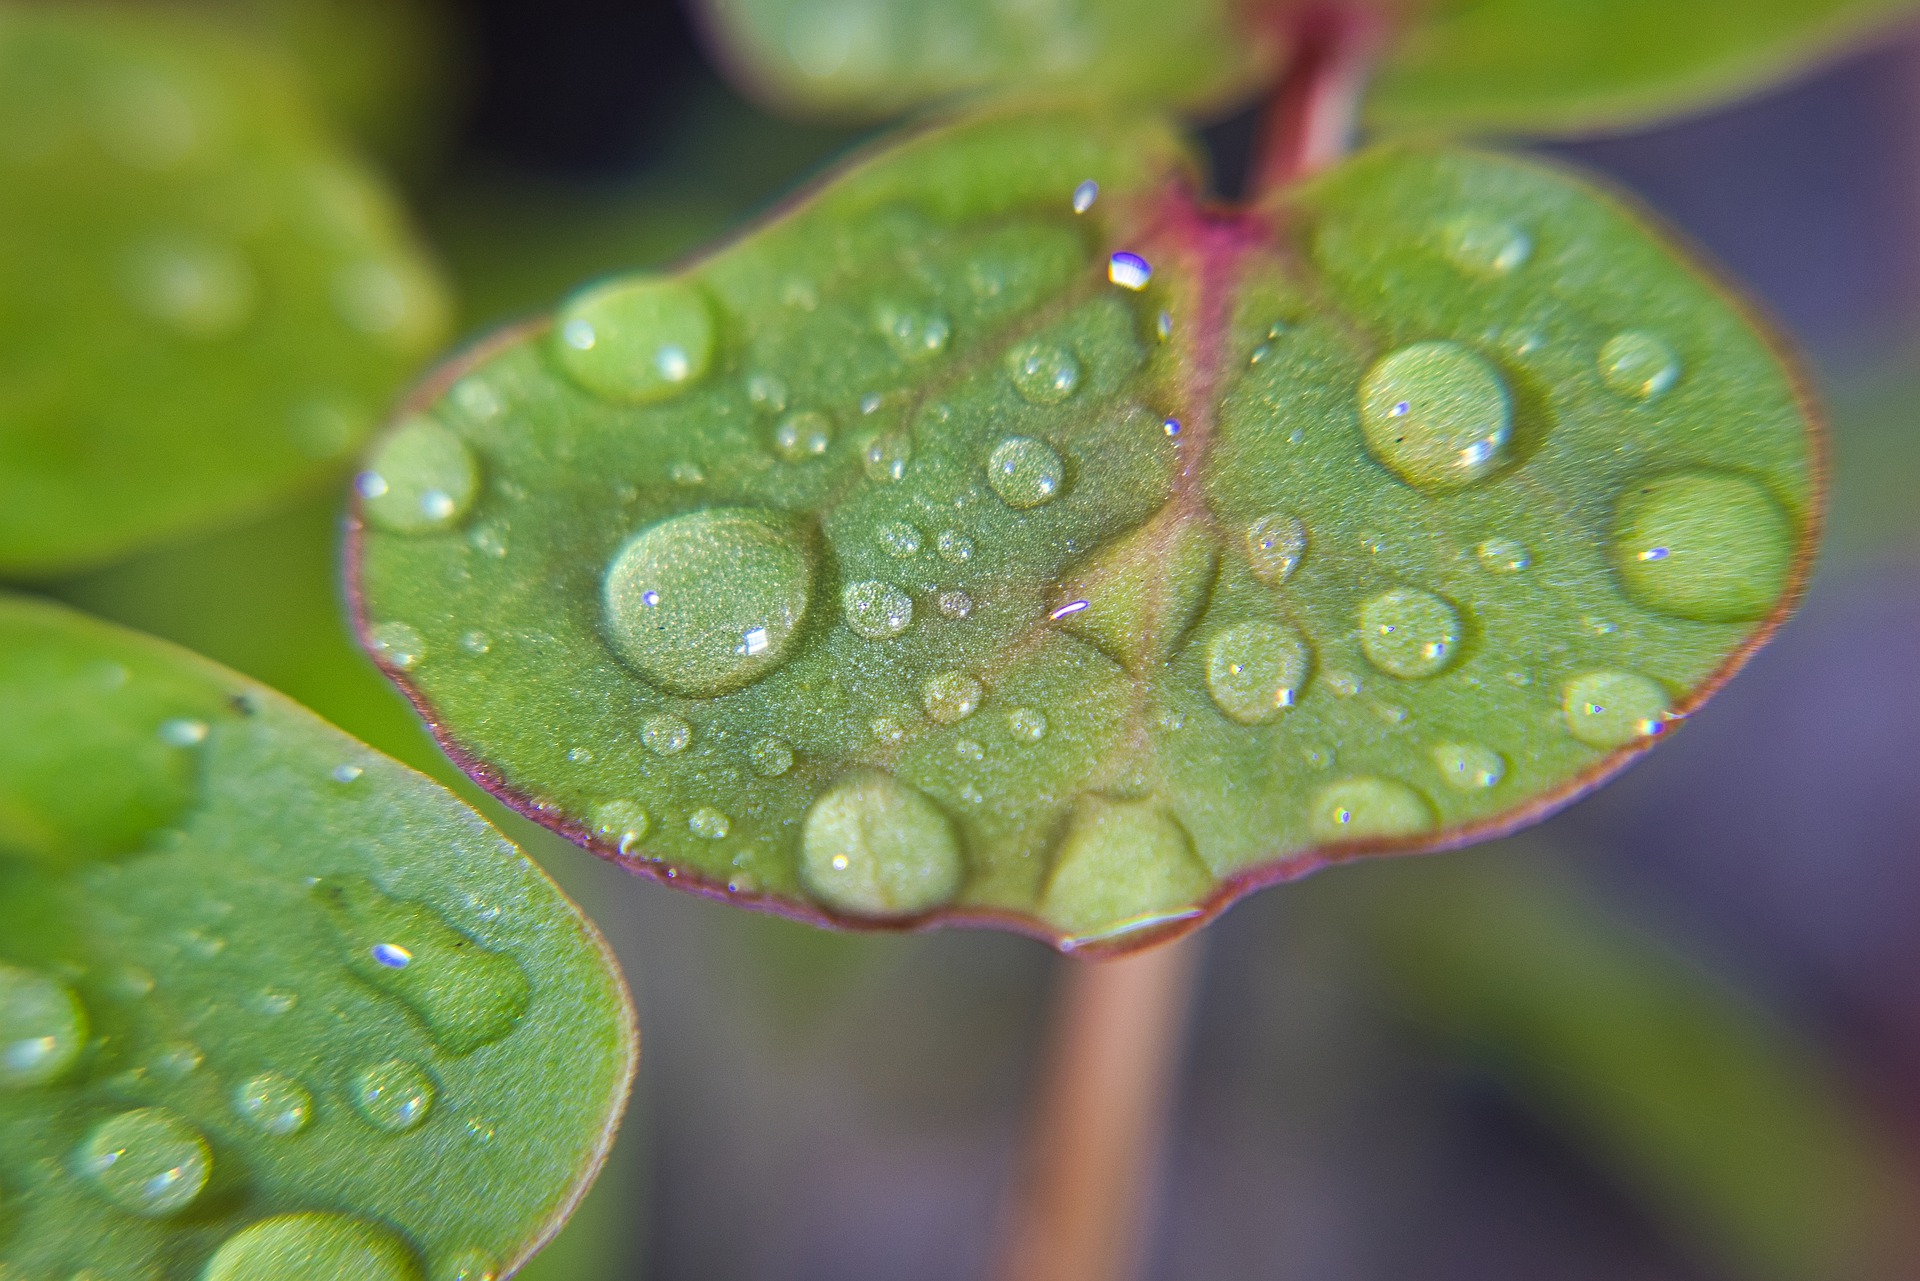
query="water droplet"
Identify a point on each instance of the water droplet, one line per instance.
(913, 333)
(709, 824)
(956, 605)
(802, 436)
(476, 643)
(148, 1162)
(477, 399)
(1172, 427)
(624, 823)
(1436, 414)
(770, 757)
(128, 983)
(872, 846)
(312, 1247)
(968, 750)
(1024, 472)
(1122, 866)
(274, 1002)
(1084, 195)
(386, 299)
(683, 598)
(490, 539)
(1129, 270)
(950, 697)
(183, 732)
(43, 1028)
(1163, 326)
(1614, 709)
(345, 773)
(469, 1265)
(176, 1060)
(1275, 544)
(1639, 366)
(954, 547)
(467, 995)
(1468, 767)
(886, 729)
(1364, 808)
(1503, 556)
(666, 735)
(900, 540)
(886, 457)
(1705, 546)
(1042, 373)
(644, 338)
(202, 289)
(1255, 670)
(422, 479)
(767, 393)
(876, 610)
(1409, 633)
(394, 1096)
(1487, 246)
(273, 1104)
(1026, 725)
(397, 645)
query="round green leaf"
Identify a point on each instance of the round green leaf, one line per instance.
(272, 999)
(204, 301)
(1202, 547)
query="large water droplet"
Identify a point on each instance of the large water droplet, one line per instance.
(1614, 709)
(708, 602)
(1122, 866)
(622, 823)
(1469, 767)
(312, 1247)
(274, 1104)
(1409, 633)
(665, 734)
(1275, 544)
(1488, 247)
(1365, 808)
(422, 478)
(950, 697)
(1637, 365)
(872, 846)
(914, 333)
(1255, 670)
(148, 1162)
(1437, 414)
(1043, 373)
(43, 1028)
(467, 995)
(802, 436)
(640, 339)
(394, 1096)
(1024, 472)
(1701, 545)
(876, 610)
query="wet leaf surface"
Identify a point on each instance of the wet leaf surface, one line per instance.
(268, 999)
(939, 552)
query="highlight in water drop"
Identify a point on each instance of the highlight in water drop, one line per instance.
(1129, 270)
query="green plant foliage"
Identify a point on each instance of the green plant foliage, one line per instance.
(918, 555)
(204, 302)
(271, 1001)
(1725, 1125)
(1506, 66)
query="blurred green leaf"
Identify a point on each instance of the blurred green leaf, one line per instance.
(324, 1010)
(1875, 460)
(204, 303)
(917, 555)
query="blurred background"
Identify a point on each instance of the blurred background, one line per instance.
(1672, 1034)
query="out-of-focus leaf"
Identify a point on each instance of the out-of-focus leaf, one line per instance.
(918, 557)
(1727, 1128)
(303, 1016)
(204, 302)
(1876, 462)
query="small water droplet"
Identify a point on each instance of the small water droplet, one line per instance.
(128, 983)
(477, 399)
(1638, 366)
(767, 393)
(391, 955)
(665, 734)
(1409, 633)
(623, 823)
(886, 729)
(397, 645)
(43, 1028)
(800, 294)
(1043, 373)
(345, 773)
(803, 436)
(709, 824)
(476, 643)
(872, 846)
(1436, 414)
(915, 334)
(1275, 544)
(640, 339)
(900, 540)
(876, 610)
(176, 1060)
(148, 1162)
(1703, 545)
(1366, 808)
(954, 547)
(273, 1002)
(422, 479)
(385, 299)
(1024, 472)
(312, 1247)
(770, 757)
(1469, 767)
(1129, 270)
(950, 697)
(1503, 556)
(394, 1096)
(1487, 246)
(886, 457)
(490, 539)
(469, 1265)
(1026, 725)
(273, 1104)
(1615, 709)
(1255, 670)
(200, 288)
(956, 605)
(968, 750)
(1163, 326)
(1172, 427)
(1084, 195)
(183, 732)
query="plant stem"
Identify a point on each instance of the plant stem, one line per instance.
(1101, 1117)
(1310, 122)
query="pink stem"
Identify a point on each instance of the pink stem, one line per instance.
(1310, 122)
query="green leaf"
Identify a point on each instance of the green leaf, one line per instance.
(890, 564)
(271, 1005)
(1724, 1124)
(204, 302)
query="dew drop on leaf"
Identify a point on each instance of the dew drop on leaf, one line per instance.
(1043, 373)
(709, 824)
(183, 731)
(915, 334)
(635, 340)
(1468, 767)
(1613, 709)
(623, 823)
(767, 393)
(43, 1028)
(1503, 556)
(708, 602)
(1084, 195)
(1122, 866)
(1487, 246)
(1024, 472)
(666, 734)
(312, 1247)
(876, 610)
(1275, 544)
(1437, 414)
(1702, 545)
(200, 288)
(1637, 365)
(770, 757)
(1255, 670)
(422, 479)
(468, 1265)
(1364, 808)
(872, 846)
(1409, 633)
(1026, 725)
(802, 436)
(1129, 270)
(397, 645)
(887, 456)
(394, 1096)
(273, 1104)
(950, 697)
(149, 1162)
(900, 540)
(954, 547)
